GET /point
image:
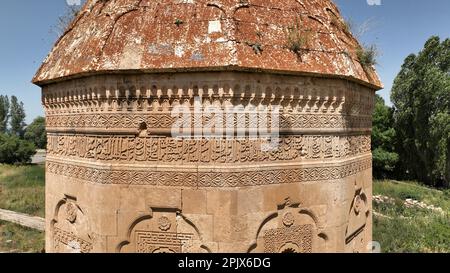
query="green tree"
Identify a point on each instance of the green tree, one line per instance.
(15, 150)
(421, 97)
(17, 114)
(35, 133)
(4, 113)
(385, 158)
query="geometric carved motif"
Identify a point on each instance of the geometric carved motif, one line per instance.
(207, 179)
(296, 239)
(164, 149)
(68, 239)
(165, 121)
(161, 242)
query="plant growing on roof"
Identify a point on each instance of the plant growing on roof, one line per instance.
(257, 47)
(297, 40)
(348, 26)
(178, 22)
(367, 55)
(66, 20)
(344, 25)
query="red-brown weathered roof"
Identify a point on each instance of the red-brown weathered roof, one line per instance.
(287, 36)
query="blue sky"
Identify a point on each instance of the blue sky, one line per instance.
(398, 28)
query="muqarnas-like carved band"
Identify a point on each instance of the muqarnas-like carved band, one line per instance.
(160, 93)
(171, 150)
(207, 179)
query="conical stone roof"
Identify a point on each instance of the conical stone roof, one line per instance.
(305, 37)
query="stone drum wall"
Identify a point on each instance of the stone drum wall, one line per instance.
(118, 180)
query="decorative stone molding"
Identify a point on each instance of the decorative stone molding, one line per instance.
(164, 121)
(213, 179)
(130, 94)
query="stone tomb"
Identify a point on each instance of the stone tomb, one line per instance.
(119, 180)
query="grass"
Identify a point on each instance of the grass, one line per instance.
(22, 189)
(401, 229)
(14, 238)
(411, 230)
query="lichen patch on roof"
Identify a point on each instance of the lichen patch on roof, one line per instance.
(288, 36)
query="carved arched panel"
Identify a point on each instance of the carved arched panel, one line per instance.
(355, 233)
(70, 228)
(292, 229)
(162, 231)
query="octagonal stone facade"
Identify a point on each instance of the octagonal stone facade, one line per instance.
(118, 180)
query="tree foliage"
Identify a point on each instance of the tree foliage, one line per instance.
(4, 113)
(36, 134)
(421, 98)
(385, 158)
(15, 150)
(17, 114)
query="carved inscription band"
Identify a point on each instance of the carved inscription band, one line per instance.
(170, 150)
(208, 179)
